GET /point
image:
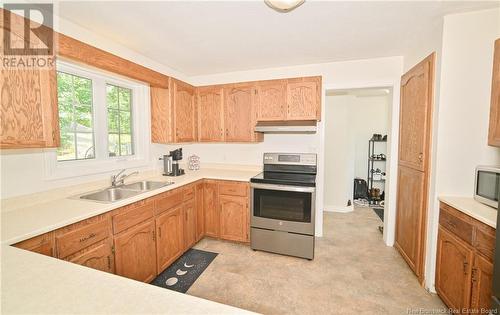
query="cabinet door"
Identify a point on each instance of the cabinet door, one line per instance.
(184, 112)
(99, 256)
(29, 113)
(210, 208)
(161, 116)
(170, 231)
(410, 218)
(200, 216)
(494, 130)
(482, 284)
(42, 244)
(135, 254)
(303, 97)
(210, 114)
(189, 224)
(239, 113)
(453, 270)
(233, 218)
(271, 100)
(417, 87)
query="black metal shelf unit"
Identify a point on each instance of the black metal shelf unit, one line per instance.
(371, 167)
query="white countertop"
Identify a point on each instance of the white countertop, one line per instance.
(473, 208)
(37, 284)
(51, 210)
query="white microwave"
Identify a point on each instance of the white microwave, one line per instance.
(487, 185)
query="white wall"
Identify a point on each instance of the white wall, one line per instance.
(340, 151)
(464, 102)
(350, 121)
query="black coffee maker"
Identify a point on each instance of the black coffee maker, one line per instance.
(171, 163)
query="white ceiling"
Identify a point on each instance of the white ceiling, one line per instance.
(207, 37)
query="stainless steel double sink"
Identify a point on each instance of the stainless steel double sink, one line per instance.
(112, 194)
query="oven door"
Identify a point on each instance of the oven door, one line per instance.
(283, 208)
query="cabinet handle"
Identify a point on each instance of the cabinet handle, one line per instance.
(466, 264)
(420, 156)
(474, 271)
(159, 232)
(88, 237)
(451, 224)
(154, 237)
(109, 262)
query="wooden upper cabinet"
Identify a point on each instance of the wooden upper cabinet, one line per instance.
(210, 114)
(42, 244)
(494, 131)
(135, 252)
(161, 116)
(303, 98)
(170, 241)
(271, 100)
(453, 270)
(239, 113)
(417, 87)
(184, 111)
(29, 115)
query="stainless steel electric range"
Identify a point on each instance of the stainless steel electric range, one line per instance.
(283, 205)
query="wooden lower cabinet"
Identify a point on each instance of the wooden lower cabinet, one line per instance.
(211, 208)
(189, 224)
(453, 270)
(233, 218)
(170, 242)
(200, 214)
(140, 240)
(41, 244)
(135, 252)
(464, 265)
(482, 283)
(99, 256)
(411, 218)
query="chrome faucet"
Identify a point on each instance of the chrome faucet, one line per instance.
(117, 180)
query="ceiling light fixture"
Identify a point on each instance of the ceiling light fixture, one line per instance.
(284, 5)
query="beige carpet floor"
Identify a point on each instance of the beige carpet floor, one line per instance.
(353, 272)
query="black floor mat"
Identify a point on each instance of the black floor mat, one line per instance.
(379, 212)
(186, 270)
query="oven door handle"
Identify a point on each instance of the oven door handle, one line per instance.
(283, 187)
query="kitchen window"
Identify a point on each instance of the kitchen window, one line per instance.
(103, 122)
(119, 103)
(75, 117)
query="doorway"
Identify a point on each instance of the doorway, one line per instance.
(356, 151)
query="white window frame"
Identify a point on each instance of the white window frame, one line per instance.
(103, 163)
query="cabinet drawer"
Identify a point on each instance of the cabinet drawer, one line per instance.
(233, 189)
(484, 242)
(456, 225)
(129, 218)
(168, 201)
(71, 239)
(189, 192)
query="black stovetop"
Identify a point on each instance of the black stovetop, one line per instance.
(284, 178)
